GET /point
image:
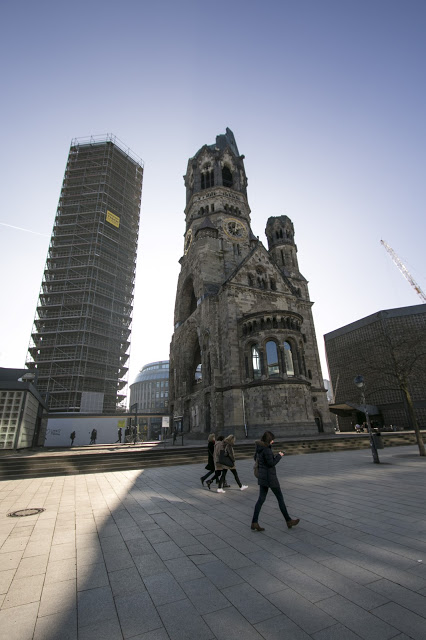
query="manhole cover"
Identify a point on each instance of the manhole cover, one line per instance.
(25, 512)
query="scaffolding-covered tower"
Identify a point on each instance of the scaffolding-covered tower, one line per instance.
(80, 340)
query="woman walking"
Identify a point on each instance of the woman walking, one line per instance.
(267, 479)
(225, 461)
(218, 469)
(210, 463)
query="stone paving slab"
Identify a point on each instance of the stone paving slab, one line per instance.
(150, 554)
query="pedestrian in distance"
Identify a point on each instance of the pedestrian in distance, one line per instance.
(210, 462)
(225, 461)
(72, 437)
(267, 479)
(93, 436)
(120, 435)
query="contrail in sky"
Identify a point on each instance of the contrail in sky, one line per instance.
(21, 229)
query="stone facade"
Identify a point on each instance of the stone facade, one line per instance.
(243, 355)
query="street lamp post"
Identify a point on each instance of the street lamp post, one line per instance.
(134, 432)
(134, 408)
(360, 383)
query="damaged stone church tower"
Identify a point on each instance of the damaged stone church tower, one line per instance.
(243, 356)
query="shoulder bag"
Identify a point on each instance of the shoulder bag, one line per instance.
(224, 459)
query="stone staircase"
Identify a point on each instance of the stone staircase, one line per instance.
(38, 464)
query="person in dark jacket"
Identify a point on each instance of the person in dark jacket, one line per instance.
(267, 479)
(210, 462)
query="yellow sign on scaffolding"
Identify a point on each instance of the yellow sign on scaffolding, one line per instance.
(113, 219)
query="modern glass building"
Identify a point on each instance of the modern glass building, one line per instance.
(150, 392)
(81, 336)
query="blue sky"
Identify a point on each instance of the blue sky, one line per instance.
(327, 101)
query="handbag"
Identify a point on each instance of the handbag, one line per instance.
(256, 467)
(256, 464)
(224, 459)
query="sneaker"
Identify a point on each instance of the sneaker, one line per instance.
(245, 486)
(220, 491)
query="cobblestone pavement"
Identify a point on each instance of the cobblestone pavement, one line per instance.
(152, 555)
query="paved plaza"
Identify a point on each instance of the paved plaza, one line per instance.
(152, 555)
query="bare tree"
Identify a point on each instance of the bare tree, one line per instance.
(401, 366)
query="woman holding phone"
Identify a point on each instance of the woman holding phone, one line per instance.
(267, 479)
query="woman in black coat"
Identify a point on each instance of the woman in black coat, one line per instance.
(267, 479)
(210, 463)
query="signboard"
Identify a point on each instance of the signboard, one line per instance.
(165, 421)
(113, 219)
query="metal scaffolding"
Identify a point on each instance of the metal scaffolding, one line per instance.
(80, 340)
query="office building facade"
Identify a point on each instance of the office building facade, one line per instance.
(149, 398)
(388, 349)
(23, 412)
(81, 335)
(150, 389)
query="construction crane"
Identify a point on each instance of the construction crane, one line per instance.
(403, 269)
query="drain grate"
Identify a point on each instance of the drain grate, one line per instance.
(25, 512)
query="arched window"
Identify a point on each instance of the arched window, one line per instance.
(207, 179)
(255, 358)
(197, 375)
(226, 177)
(209, 370)
(188, 302)
(272, 358)
(288, 359)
